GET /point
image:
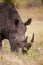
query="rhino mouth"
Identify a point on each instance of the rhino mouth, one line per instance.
(24, 45)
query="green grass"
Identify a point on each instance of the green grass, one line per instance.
(1, 59)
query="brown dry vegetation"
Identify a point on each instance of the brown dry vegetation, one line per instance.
(35, 54)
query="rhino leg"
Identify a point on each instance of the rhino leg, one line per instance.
(0, 41)
(3, 35)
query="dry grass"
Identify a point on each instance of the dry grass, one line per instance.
(35, 54)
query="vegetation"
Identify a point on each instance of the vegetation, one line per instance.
(35, 54)
(8, 1)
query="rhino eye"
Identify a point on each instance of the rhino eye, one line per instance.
(16, 22)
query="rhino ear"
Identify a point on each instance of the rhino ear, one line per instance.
(28, 22)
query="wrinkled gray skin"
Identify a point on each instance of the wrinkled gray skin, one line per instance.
(12, 28)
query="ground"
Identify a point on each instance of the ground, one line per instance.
(35, 54)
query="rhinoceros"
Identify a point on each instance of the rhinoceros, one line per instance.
(13, 29)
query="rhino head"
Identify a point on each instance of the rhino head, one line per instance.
(18, 38)
(13, 29)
